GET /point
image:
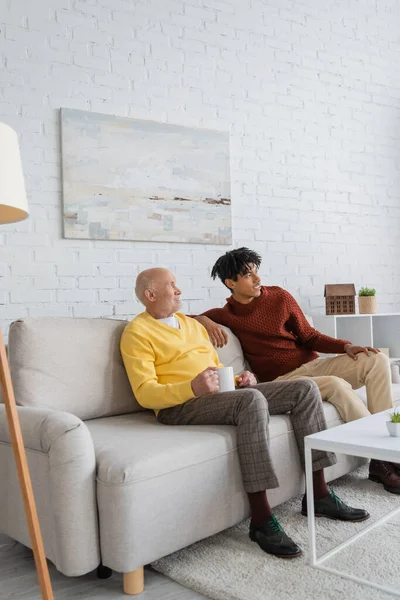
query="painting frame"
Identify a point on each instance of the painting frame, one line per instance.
(139, 180)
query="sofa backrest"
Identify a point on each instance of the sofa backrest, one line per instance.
(75, 365)
(231, 355)
(70, 364)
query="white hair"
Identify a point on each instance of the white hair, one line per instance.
(143, 283)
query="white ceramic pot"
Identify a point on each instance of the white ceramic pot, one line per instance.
(393, 428)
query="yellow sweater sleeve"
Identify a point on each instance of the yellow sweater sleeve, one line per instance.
(139, 359)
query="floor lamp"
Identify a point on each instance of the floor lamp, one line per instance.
(13, 208)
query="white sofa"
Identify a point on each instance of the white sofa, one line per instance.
(110, 482)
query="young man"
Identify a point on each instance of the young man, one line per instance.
(172, 368)
(279, 344)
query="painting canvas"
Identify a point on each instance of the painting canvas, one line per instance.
(126, 179)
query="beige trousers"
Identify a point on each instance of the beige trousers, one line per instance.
(338, 376)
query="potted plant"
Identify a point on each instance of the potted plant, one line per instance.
(366, 301)
(393, 424)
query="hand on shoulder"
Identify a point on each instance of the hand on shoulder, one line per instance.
(218, 336)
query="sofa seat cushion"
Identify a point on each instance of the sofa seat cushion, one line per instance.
(132, 448)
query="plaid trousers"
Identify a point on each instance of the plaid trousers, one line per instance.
(249, 409)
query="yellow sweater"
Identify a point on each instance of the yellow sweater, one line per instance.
(161, 361)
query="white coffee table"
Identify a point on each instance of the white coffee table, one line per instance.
(368, 438)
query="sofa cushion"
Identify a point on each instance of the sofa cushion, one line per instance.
(70, 364)
(135, 447)
(131, 448)
(231, 355)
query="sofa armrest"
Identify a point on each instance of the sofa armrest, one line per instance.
(62, 467)
(40, 427)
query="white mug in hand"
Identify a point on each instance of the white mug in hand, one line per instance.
(226, 379)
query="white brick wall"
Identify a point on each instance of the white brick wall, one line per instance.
(310, 94)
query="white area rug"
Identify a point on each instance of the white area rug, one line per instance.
(228, 566)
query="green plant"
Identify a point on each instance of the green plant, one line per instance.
(365, 291)
(394, 417)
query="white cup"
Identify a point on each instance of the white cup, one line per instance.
(226, 379)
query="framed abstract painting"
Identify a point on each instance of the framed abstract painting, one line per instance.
(126, 179)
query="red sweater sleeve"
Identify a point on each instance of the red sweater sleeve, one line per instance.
(307, 335)
(215, 314)
(218, 315)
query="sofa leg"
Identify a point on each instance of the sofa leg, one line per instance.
(103, 572)
(134, 582)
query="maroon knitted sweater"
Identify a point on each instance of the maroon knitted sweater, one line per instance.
(275, 335)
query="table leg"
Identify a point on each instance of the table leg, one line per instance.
(310, 503)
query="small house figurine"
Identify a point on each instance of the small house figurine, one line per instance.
(340, 299)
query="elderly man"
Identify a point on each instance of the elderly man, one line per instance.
(172, 367)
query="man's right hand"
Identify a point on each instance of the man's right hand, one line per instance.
(206, 382)
(218, 336)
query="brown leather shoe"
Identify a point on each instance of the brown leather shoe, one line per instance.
(384, 472)
(396, 467)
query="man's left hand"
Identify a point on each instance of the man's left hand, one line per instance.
(352, 350)
(246, 379)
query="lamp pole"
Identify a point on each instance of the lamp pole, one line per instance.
(13, 208)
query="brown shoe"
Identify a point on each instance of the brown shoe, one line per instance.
(384, 472)
(396, 468)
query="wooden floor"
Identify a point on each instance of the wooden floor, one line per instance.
(18, 580)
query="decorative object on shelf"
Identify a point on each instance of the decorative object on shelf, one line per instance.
(125, 179)
(367, 301)
(393, 425)
(13, 208)
(340, 299)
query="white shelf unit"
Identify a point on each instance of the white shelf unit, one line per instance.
(381, 330)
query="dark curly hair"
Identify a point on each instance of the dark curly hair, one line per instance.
(234, 263)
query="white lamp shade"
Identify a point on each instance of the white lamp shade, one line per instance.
(13, 202)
